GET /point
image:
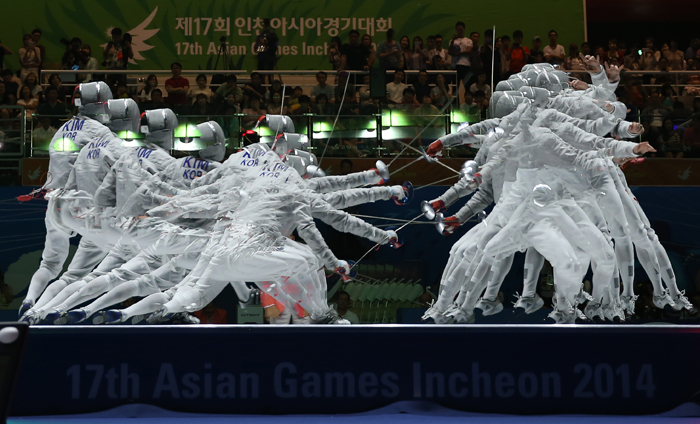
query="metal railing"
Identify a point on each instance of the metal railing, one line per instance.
(374, 133)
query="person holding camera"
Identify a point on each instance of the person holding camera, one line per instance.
(73, 55)
(266, 48)
(117, 54)
(29, 57)
(389, 53)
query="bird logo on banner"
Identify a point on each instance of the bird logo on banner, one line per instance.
(685, 174)
(139, 36)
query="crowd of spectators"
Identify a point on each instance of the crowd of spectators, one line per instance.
(664, 102)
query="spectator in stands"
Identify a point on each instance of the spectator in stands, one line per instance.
(421, 87)
(344, 305)
(210, 314)
(334, 54)
(302, 107)
(353, 56)
(442, 92)
(669, 140)
(460, 50)
(613, 55)
(275, 87)
(487, 56)
(691, 135)
(52, 107)
(408, 100)
(475, 56)
(680, 114)
(668, 96)
(439, 57)
(655, 113)
(254, 89)
(675, 57)
(231, 86)
(117, 54)
(635, 92)
(430, 42)
(340, 92)
(266, 47)
(536, 48)
(426, 112)
(367, 43)
(122, 91)
(36, 36)
(389, 52)
(28, 100)
(648, 59)
(469, 107)
(90, 62)
(73, 56)
(274, 105)
(202, 107)
(7, 99)
(145, 93)
(156, 101)
(418, 59)
(346, 167)
(201, 88)
(12, 83)
(481, 85)
(554, 53)
(33, 82)
(177, 86)
(4, 51)
(55, 81)
(230, 106)
(253, 111)
(663, 78)
(573, 62)
(586, 48)
(503, 46)
(364, 92)
(42, 135)
(696, 105)
(518, 55)
(321, 106)
(481, 102)
(394, 90)
(294, 97)
(690, 53)
(322, 87)
(405, 46)
(29, 57)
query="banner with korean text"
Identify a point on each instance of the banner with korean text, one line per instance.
(190, 31)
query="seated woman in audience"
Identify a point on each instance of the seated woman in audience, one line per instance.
(274, 105)
(202, 107)
(55, 81)
(670, 141)
(29, 102)
(145, 93)
(253, 111)
(200, 88)
(33, 83)
(442, 92)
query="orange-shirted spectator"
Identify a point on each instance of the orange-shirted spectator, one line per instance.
(277, 312)
(210, 314)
